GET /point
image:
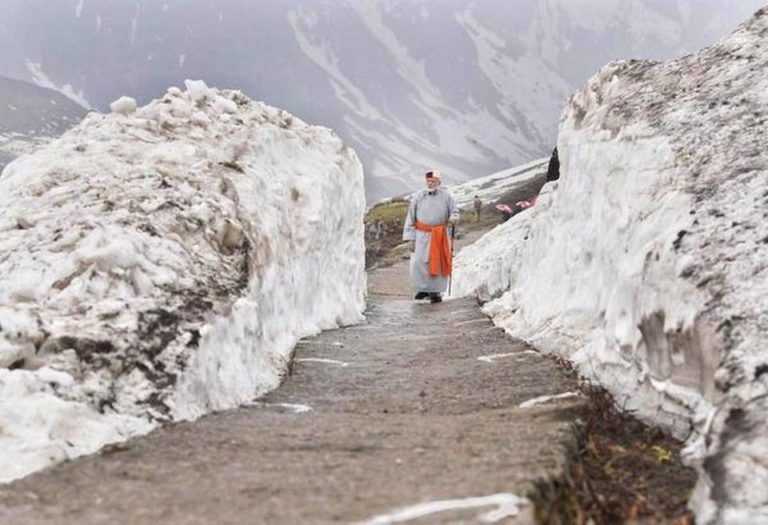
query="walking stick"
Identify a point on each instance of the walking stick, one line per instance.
(450, 277)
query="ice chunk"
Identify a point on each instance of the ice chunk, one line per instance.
(123, 106)
(198, 91)
(224, 105)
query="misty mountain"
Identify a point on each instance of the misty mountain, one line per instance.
(30, 114)
(469, 88)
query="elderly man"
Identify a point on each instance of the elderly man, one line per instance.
(426, 226)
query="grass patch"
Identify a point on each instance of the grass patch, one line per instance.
(393, 211)
(622, 472)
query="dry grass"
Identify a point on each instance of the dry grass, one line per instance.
(622, 472)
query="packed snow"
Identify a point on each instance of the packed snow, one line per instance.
(160, 263)
(647, 263)
(123, 106)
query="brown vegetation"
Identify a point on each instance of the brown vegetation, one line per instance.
(622, 472)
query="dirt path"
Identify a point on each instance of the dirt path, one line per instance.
(420, 404)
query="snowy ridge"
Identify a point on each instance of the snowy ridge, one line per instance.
(646, 263)
(491, 187)
(160, 263)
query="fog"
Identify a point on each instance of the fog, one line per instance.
(469, 88)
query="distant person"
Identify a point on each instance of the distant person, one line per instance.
(430, 213)
(478, 204)
(553, 170)
(379, 232)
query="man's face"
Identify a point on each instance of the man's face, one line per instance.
(433, 183)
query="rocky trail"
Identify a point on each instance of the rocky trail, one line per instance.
(414, 415)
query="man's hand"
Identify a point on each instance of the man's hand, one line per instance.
(453, 221)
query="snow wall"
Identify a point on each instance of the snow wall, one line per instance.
(161, 263)
(646, 264)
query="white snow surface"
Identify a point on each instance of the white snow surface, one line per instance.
(123, 106)
(646, 264)
(507, 505)
(162, 264)
(491, 187)
(39, 78)
(541, 400)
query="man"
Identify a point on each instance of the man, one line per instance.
(478, 206)
(553, 168)
(426, 226)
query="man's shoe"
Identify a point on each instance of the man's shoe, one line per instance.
(435, 298)
(421, 295)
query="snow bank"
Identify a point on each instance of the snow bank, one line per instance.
(647, 263)
(160, 264)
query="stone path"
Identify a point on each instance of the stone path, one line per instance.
(375, 419)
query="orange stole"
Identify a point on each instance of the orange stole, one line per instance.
(439, 248)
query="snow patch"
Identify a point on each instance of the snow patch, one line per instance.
(491, 187)
(42, 80)
(293, 408)
(541, 400)
(507, 506)
(495, 357)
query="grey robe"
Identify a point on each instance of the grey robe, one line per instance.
(431, 208)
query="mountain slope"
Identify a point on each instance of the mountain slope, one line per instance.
(32, 110)
(470, 89)
(30, 115)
